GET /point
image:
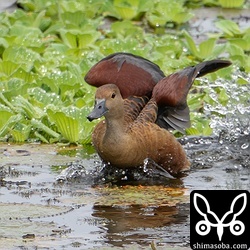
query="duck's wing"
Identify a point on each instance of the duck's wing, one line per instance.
(133, 107)
(171, 92)
(174, 118)
(134, 75)
(149, 113)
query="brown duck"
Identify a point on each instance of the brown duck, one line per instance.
(137, 118)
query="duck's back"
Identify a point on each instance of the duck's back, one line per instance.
(148, 140)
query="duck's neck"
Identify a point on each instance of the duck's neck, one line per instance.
(115, 128)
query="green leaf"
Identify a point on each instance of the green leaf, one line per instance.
(27, 108)
(195, 101)
(87, 39)
(191, 44)
(41, 126)
(69, 38)
(38, 20)
(5, 114)
(20, 73)
(223, 97)
(126, 9)
(125, 28)
(67, 126)
(7, 103)
(76, 18)
(217, 50)
(200, 126)
(14, 87)
(231, 3)
(207, 130)
(24, 33)
(53, 29)
(168, 11)
(20, 132)
(42, 99)
(10, 123)
(242, 81)
(182, 17)
(41, 137)
(8, 67)
(235, 50)
(243, 43)
(3, 45)
(192, 131)
(206, 48)
(76, 72)
(230, 28)
(22, 56)
(71, 122)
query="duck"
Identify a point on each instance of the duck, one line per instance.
(137, 122)
(137, 76)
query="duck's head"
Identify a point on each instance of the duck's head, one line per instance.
(108, 103)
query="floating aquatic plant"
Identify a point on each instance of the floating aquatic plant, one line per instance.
(231, 3)
(168, 11)
(46, 48)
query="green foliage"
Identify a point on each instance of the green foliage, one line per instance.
(237, 44)
(168, 11)
(47, 47)
(219, 3)
(205, 50)
(126, 9)
(71, 123)
(231, 3)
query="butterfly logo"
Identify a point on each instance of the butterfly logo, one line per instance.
(203, 227)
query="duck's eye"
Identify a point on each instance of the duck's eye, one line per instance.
(113, 95)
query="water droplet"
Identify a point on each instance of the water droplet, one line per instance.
(245, 145)
(124, 178)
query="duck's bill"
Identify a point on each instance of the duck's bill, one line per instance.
(98, 111)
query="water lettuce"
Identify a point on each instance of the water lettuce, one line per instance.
(46, 48)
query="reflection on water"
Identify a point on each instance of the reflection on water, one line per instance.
(125, 225)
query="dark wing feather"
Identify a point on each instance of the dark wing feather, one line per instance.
(133, 107)
(134, 75)
(176, 118)
(171, 94)
(137, 76)
(211, 66)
